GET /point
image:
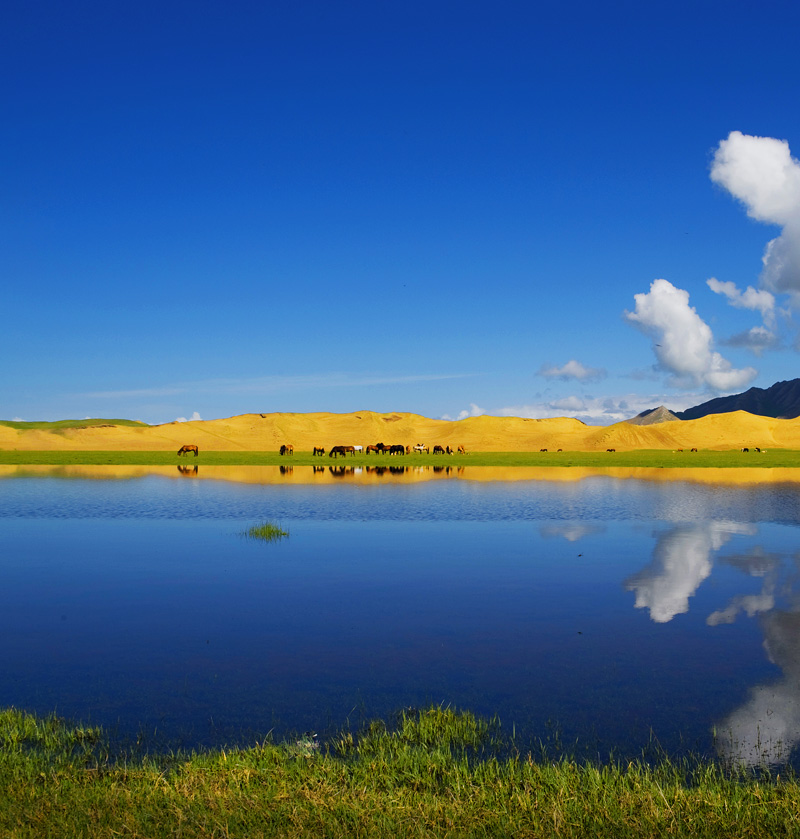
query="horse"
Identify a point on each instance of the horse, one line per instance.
(377, 449)
(186, 449)
(438, 450)
(289, 449)
(397, 449)
(419, 449)
(462, 450)
(358, 449)
(341, 450)
(542, 450)
(745, 449)
(318, 450)
(694, 450)
(610, 450)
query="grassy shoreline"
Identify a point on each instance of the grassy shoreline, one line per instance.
(431, 773)
(653, 458)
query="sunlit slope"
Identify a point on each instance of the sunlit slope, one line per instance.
(267, 432)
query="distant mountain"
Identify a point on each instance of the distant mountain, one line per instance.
(781, 401)
(654, 415)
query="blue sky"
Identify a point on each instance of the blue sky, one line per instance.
(448, 208)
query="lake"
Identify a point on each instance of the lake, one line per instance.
(595, 611)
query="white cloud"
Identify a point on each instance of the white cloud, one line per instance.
(682, 340)
(474, 411)
(273, 384)
(572, 370)
(604, 410)
(750, 298)
(762, 174)
(195, 417)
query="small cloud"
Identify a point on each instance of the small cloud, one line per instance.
(195, 417)
(757, 339)
(474, 411)
(682, 340)
(17, 419)
(572, 370)
(750, 298)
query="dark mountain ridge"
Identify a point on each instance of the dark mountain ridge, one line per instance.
(781, 401)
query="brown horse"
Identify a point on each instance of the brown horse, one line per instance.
(288, 449)
(438, 449)
(342, 450)
(610, 450)
(462, 450)
(318, 450)
(397, 449)
(187, 449)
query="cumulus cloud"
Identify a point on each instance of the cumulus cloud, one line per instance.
(572, 370)
(474, 411)
(682, 340)
(762, 174)
(195, 417)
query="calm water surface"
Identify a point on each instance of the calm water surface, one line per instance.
(600, 612)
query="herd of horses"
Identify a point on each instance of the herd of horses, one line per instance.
(382, 448)
(385, 448)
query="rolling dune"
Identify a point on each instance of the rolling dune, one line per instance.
(267, 432)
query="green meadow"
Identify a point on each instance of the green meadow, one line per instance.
(653, 458)
(429, 773)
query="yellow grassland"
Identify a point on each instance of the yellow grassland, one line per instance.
(267, 432)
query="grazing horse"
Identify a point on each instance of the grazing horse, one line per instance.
(186, 449)
(341, 450)
(610, 450)
(419, 449)
(358, 449)
(694, 450)
(745, 449)
(438, 450)
(397, 449)
(462, 450)
(377, 449)
(542, 450)
(287, 450)
(318, 450)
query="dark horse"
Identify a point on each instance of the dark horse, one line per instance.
(287, 449)
(318, 450)
(342, 450)
(186, 449)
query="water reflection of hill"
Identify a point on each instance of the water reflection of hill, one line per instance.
(409, 474)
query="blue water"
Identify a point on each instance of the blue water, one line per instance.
(601, 613)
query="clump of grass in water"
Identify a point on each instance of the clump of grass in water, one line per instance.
(266, 532)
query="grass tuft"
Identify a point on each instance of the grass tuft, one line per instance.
(266, 532)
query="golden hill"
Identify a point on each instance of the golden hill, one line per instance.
(267, 432)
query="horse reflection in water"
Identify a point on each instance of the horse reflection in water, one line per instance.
(188, 471)
(287, 470)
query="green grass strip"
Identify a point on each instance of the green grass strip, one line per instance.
(431, 775)
(652, 458)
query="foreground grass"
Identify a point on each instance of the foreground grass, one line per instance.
(653, 458)
(433, 774)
